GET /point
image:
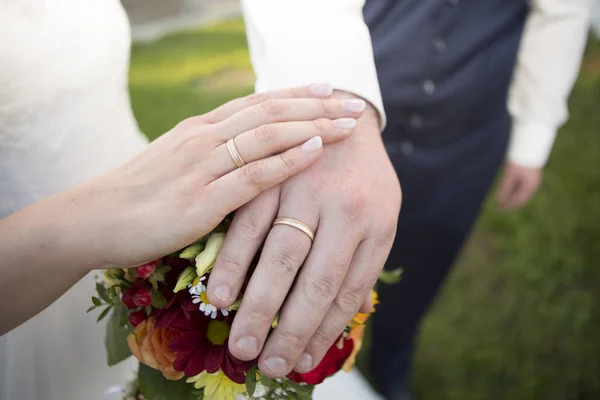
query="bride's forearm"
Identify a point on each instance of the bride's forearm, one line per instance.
(41, 257)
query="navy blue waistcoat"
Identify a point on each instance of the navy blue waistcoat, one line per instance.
(444, 66)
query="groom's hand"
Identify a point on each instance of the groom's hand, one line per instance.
(351, 199)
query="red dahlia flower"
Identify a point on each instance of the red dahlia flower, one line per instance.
(203, 347)
(332, 362)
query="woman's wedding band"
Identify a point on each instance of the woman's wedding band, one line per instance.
(234, 153)
(296, 224)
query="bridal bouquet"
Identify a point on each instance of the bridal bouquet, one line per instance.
(159, 312)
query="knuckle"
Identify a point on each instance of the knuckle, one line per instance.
(256, 98)
(248, 228)
(229, 263)
(287, 161)
(323, 290)
(293, 340)
(189, 124)
(353, 203)
(322, 339)
(286, 262)
(349, 300)
(324, 108)
(265, 133)
(253, 173)
(274, 108)
(318, 127)
(257, 314)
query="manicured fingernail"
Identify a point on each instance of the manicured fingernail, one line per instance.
(345, 123)
(222, 293)
(322, 89)
(247, 344)
(312, 145)
(276, 365)
(354, 105)
(305, 362)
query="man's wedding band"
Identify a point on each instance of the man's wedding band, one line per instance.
(234, 153)
(296, 224)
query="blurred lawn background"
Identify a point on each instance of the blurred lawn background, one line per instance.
(520, 315)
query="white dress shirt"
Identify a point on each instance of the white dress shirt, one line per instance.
(297, 42)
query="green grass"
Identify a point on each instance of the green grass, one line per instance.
(520, 315)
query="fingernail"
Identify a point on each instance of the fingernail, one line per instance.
(322, 89)
(354, 105)
(305, 362)
(247, 344)
(345, 123)
(312, 145)
(222, 293)
(276, 365)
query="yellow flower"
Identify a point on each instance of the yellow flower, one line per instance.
(357, 331)
(217, 386)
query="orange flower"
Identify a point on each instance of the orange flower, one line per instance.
(357, 331)
(149, 345)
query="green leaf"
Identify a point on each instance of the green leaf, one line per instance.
(154, 386)
(112, 293)
(102, 292)
(117, 348)
(390, 277)
(251, 381)
(90, 309)
(153, 282)
(96, 301)
(163, 269)
(103, 314)
(265, 380)
(158, 300)
(159, 277)
(148, 310)
(185, 278)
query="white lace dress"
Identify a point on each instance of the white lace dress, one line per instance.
(64, 118)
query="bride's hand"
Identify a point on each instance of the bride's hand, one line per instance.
(184, 183)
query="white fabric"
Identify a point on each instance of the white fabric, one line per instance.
(548, 64)
(302, 41)
(64, 117)
(295, 43)
(346, 386)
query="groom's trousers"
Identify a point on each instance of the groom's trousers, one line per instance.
(444, 68)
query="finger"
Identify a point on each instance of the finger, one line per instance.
(367, 305)
(524, 193)
(246, 234)
(270, 139)
(320, 90)
(285, 250)
(287, 110)
(362, 275)
(236, 188)
(505, 188)
(307, 304)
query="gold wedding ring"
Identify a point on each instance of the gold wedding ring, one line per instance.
(234, 153)
(296, 224)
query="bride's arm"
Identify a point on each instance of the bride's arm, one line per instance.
(176, 190)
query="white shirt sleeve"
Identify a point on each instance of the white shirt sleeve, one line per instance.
(295, 43)
(548, 64)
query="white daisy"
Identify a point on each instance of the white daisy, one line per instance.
(198, 291)
(197, 287)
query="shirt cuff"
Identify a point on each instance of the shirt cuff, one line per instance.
(530, 144)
